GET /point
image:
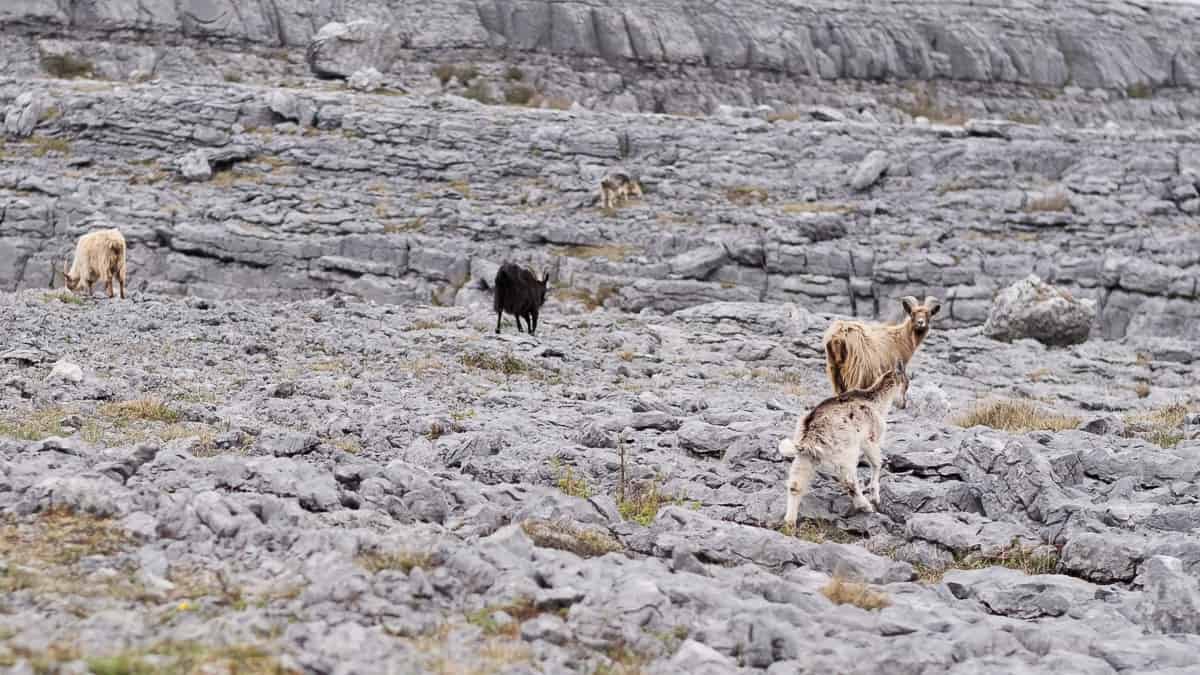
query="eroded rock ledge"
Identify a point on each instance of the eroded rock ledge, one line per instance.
(414, 199)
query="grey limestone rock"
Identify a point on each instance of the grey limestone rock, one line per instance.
(343, 49)
(1031, 308)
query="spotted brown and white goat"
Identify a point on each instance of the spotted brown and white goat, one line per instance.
(837, 433)
(618, 187)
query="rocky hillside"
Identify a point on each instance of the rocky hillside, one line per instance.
(330, 486)
(250, 191)
(1071, 62)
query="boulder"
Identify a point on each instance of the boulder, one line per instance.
(869, 170)
(1171, 602)
(1031, 308)
(339, 50)
(366, 79)
(194, 166)
(66, 371)
(23, 115)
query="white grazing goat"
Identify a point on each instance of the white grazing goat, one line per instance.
(99, 256)
(837, 432)
(857, 353)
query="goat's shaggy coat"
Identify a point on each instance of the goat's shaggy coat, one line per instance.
(520, 293)
(99, 256)
(837, 432)
(618, 186)
(857, 353)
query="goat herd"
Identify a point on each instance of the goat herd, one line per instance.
(865, 362)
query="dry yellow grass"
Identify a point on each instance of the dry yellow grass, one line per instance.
(497, 654)
(35, 425)
(746, 195)
(589, 299)
(1016, 416)
(41, 555)
(186, 658)
(405, 561)
(1163, 427)
(1016, 557)
(819, 532)
(841, 591)
(147, 409)
(641, 503)
(565, 536)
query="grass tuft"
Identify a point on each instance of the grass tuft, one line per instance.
(568, 483)
(405, 561)
(589, 299)
(641, 503)
(521, 609)
(820, 532)
(1015, 416)
(565, 536)
(1163, 427)
(147, 409)
(841, 591)
(35, 425)
(745, 195)
(60, 536)
(519, 94)
(67, 66)
(44, 145)
(508, 364)
(64, 296)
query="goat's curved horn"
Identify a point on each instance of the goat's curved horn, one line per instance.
(909, 303)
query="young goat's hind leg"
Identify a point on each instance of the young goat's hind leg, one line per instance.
(499, 316)
(848, 477)
(799, 479)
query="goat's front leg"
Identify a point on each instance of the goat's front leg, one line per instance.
(108, 286)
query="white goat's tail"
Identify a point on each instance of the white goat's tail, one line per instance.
(787, 448)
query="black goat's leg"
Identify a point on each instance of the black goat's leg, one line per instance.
(499, 315)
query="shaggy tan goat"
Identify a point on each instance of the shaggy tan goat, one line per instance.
(99, 256)
(837, 432)
(857, 353)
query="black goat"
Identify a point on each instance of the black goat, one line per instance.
(521, 293)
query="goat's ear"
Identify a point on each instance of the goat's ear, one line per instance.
(909, 303)
(933, 304)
